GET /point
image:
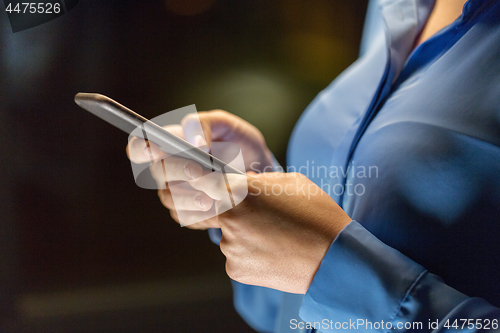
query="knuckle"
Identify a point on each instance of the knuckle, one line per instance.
(191, 169)
(223, 245)
(212, 222)
(225, 222)
(227, 247)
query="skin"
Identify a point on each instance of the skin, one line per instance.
(443, 14)
(269, 240)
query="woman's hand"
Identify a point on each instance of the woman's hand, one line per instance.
(274, 238)
(279, 234)
(216, 125)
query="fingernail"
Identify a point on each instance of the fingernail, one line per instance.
(198, 203)
(203, 204)
(192, 172)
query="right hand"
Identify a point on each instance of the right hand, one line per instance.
(217, 125)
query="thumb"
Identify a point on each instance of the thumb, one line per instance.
(197, 131)
(204, 127)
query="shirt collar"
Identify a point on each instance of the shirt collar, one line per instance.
(472, 7)
(404, 19)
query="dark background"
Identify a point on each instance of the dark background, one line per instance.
(82, 249)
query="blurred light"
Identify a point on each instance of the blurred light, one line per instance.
(262, 97)
(318, 42)
(27, 55)
(188, 7)
(301, 15)
(77, 302)
(316, 57)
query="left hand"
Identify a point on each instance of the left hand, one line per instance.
(278, 236)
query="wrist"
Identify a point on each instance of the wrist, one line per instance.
(330, 234)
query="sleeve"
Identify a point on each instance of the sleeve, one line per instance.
(364, 285)
(258, 306)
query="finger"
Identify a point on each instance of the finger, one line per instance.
(196, 132)
(185, 199)
(217, 185)
(172, 168)
(175, 129)
(144, 151)
(204, 127)
(190, 218)
(204, 225)
(211, 222)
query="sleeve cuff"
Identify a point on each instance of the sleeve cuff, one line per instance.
(215, 235)
(359, 278)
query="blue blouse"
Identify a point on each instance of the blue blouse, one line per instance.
(408, 143)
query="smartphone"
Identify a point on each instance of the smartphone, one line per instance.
(129, 121)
